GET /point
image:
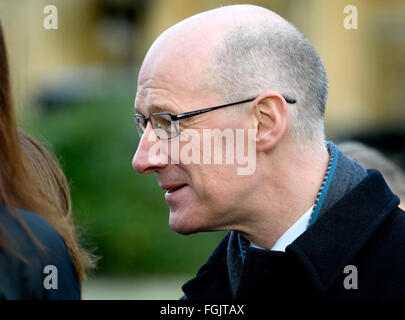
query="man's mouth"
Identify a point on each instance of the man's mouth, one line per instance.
(173, 188)
(176, 188)
(174, 192)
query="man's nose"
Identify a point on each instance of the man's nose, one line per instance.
(145, 160)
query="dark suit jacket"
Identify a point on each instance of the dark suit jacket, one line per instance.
(365, 229)
(20, 280)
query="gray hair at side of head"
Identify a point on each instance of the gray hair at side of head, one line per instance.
(372, 159)
(276, 57)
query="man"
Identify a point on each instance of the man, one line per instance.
(307, 221)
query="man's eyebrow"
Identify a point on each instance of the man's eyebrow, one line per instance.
(154, 108)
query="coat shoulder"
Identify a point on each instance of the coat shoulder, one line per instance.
(23, 278)
(391, 234)
(383, 258)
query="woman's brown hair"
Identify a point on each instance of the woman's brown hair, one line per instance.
(52, 186)
(19, 187)
(16, 191)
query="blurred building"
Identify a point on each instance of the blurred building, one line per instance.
(95, 42)
(366, 67)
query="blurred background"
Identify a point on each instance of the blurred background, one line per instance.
(74, 89)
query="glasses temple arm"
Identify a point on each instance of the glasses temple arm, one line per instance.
(193, 113)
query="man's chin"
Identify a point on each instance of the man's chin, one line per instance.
(182, 225)
(182, 229)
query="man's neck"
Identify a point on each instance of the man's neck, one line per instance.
(291, 186)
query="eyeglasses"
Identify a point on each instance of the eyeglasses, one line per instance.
(165, 124)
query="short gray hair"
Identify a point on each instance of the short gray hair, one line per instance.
(274, 56)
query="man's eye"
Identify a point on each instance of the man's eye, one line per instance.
(162, 123)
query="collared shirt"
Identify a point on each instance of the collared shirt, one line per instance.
(291, 234)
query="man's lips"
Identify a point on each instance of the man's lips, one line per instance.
(173, 187)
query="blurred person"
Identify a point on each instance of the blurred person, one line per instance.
(371, 158)
(34, 260)
(308, 222)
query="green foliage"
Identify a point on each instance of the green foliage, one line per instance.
(124, 213)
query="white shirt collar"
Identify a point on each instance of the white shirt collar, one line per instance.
(291, 234)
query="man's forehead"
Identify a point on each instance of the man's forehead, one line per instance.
(155, 94)
(179, 54)
(168, 89)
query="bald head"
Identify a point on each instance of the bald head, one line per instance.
(189, 45)
(214, 24)
(240, 51)
(195, 38)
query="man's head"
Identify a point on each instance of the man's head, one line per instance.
(222, 56)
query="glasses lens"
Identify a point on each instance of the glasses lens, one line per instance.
(140, 124)
(164, 127)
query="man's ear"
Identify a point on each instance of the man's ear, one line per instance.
(271, 120)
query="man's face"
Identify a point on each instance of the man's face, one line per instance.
(209, 196)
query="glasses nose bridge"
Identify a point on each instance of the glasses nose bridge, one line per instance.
(153, 125)
(149, 127)
(142, 161)
(147, 121)
(145, 139)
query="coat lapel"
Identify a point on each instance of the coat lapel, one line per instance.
(211, 281)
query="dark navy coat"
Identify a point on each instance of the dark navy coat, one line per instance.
(21, 280)
(365, 229)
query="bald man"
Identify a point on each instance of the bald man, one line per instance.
(230, 107)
